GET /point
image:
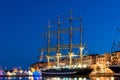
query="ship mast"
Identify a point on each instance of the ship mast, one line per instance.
(48, 45)
(58, 55)
(81, 46)
(58, 36)
(70, 42)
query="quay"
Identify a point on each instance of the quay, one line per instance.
(105, 75)
(101, 75)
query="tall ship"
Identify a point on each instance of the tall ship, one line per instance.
(61, 58)
(115, 56)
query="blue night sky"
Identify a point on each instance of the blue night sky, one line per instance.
(23, 21)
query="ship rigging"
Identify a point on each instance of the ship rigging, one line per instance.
(72, 67)
(69, 46)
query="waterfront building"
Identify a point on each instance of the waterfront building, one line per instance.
(115, 62)
(101, 63)
(103, 59)
(115, 58)
(90, 59)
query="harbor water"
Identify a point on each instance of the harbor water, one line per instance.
(60, 78)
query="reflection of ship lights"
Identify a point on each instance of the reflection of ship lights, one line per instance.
(66, 78)
(112, 78)
(84, 79)
(57, 78)
(97, 79)
(75, 78)
(80, 79)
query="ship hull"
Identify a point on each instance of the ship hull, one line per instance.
(58, 72)
(67, 72)
(83, 71)
(115, 68)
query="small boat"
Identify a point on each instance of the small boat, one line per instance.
(115, 64)
(115, 68)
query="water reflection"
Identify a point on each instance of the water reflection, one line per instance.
(14, 78)
(102, 78)
(81, 78)
(66, 78)
(60, 78)
(30, 78)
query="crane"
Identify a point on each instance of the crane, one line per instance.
(116, 44)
